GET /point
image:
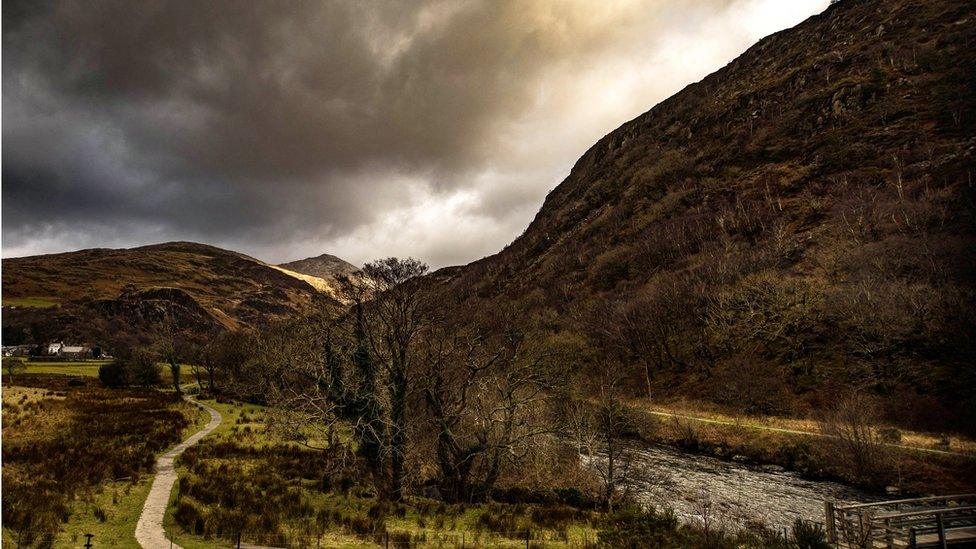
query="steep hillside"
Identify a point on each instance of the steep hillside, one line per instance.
(175, 286)
(800, 220)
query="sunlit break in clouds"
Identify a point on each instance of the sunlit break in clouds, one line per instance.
(362, 129)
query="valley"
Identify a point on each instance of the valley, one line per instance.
(742, 314)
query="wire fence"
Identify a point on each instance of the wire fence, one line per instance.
(529, 539)
(447, 539)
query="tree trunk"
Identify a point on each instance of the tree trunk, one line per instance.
(398, 438)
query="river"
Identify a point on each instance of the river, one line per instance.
(731, 494)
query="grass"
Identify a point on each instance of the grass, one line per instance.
(87, 368)
(798, 445)
(248, 468)
(111, 514)
(75, 456)
(34, 302)
(796, 426)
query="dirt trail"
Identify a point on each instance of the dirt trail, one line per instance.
(149, 530)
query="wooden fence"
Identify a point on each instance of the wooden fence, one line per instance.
(937, 521)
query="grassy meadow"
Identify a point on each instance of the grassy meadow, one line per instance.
(285, 493)
(78, 457)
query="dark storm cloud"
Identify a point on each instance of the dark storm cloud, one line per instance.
(286, 128)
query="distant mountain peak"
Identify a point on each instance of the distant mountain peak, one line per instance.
(323, 266)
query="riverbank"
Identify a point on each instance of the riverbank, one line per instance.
(799, 446)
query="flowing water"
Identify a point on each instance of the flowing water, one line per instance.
(730, 494)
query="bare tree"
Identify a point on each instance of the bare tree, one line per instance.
(296, 364)
(852, 427)
(356, 369)
(483, 395)
(598, 428)
(393, 319)
(225, 357)
(708, 516)
(165, 349)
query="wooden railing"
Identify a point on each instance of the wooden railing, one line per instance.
(938, 521)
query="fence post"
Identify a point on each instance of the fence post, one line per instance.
(526, 539)
(864, 527)
(829, 521)
(942, 537)
(88, 542)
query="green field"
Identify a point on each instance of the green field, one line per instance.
(65, 368)
(80, 368)
(35, 302)
(75, 368)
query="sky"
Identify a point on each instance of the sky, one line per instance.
(359, 128)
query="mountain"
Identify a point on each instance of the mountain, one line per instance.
(327, 267)
(797, 223)
(181, 286)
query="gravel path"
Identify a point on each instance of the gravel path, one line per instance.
(149, 530)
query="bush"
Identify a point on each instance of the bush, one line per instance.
(114, 374)
(144, 369)
(635, 527)
(809, 535)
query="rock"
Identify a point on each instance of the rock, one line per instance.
(738, 458)
(892, 490)
(771, 468)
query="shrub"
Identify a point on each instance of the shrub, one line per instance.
(144, 369)
(633, 527)
(114, 374)
(859, 444)
(809, 535)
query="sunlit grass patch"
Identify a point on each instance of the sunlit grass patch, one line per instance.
(110, 514)
(35, 302)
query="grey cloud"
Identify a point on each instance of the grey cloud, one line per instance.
(276, 125)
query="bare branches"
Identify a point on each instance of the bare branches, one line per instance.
(483, 393)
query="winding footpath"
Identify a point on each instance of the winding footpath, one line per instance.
(149, 529)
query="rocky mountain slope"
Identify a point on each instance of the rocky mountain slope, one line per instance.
(327, 267)
(178, 286)
(799, 221)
